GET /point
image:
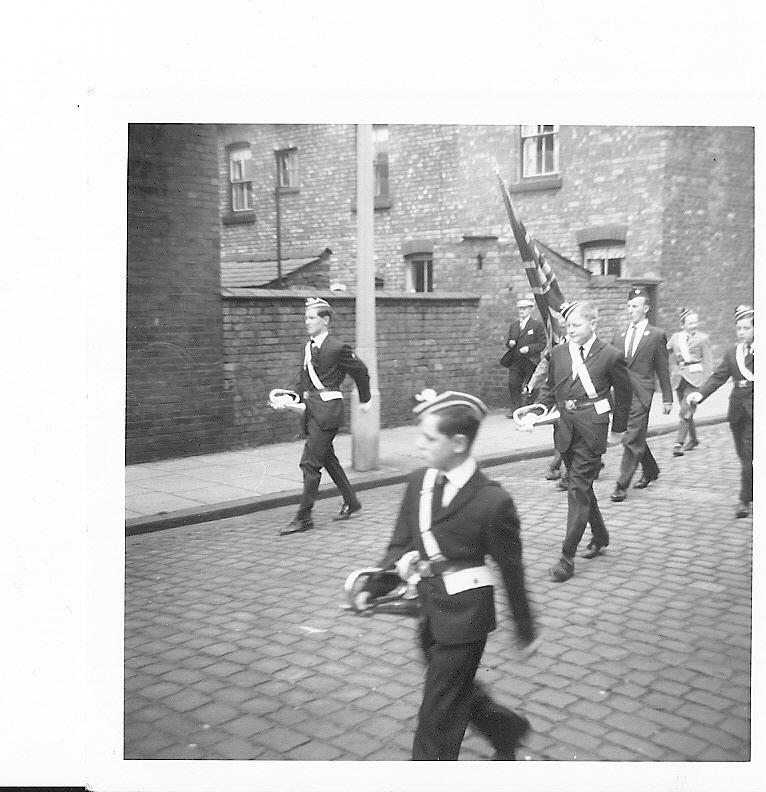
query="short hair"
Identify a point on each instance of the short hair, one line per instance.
(458, 419)
(587, 309)
(324, 312)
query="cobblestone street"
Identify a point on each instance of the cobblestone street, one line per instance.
(236, 646)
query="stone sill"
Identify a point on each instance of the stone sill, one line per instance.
(383, 296)
(535, 183)
(239, 217)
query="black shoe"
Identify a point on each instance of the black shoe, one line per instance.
(691, 445)
(297, 525)
(562, 570)
(505, 730)
(593, 549)
(346, 511)
(678, 450)
(742, 510)
(619, 494)
(644, 482)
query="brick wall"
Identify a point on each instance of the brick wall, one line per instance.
(708, 225)
(423, 341)
(175, 402)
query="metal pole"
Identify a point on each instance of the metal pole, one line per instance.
(279, 224)
(365, 427)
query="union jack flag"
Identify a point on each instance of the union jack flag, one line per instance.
(542, 279)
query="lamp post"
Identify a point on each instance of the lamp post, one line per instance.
(365, 427)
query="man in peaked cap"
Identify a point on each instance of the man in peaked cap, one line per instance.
(450, 516)
(581, 376)
(325, 363)
(646, 350)
(739, 364)
(525, 341)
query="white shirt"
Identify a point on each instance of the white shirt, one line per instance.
(318, 339)
(523, 323)
(574, 349)
(639, 331)
(456, 479)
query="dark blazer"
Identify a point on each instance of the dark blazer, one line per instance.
(480, 520)
(650, 359)
(532, 336)
(336, 359)
(741, 399)
(607, 368)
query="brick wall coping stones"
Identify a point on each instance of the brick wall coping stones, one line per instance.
(246, 293)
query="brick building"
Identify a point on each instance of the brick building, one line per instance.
(670, 208)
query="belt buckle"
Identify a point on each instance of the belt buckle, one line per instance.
(424, 569)
(569, 405)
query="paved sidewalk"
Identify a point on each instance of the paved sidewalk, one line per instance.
(202, 488)
(236, 648)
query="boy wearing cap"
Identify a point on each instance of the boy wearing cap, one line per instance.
(691, 361)
(581, 377)
(451, 516)
(646, 349)
(525, 341)
(739, 364)
(325, 363)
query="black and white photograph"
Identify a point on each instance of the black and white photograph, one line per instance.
(396, 426)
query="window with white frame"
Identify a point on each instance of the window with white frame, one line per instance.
(380, 143)
(241, 177)
(604, 259)
(420, 273)
(287, 169)
(539, 149)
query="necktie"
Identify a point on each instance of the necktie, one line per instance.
(749, 359)
(582, 353)
(314, 354)
(436, 505)
(629, 344)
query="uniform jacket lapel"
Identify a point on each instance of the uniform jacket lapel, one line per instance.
(642, 341)
(463, 496)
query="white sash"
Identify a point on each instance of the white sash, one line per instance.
(310, 368)
(426, 498)
(744, 370)
(461, 579)
(683, 347)
(579, 369)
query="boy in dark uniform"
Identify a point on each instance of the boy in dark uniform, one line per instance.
(451, 517)
(739, 364)
(326, 361)
(581, 376)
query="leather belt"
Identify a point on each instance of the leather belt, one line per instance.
(435, 568)
(570, 405)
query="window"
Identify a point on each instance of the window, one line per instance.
(241, 177)
(420, 273)
(604, 259)
(539, 149)
(380, 143)
(287, 169)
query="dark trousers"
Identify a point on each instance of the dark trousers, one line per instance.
(635, 450)
(583, 466)
(319, 453)
(685, 413)
(519, 374)
(742, 431)
(451, 699)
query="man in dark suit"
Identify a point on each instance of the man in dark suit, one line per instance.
(450, 518)
(525, 341)
(326, 361)
(646, 350)
(739, 364)
(581, 377)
